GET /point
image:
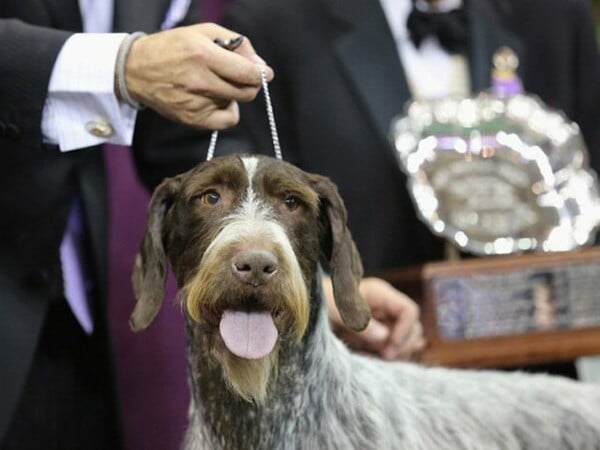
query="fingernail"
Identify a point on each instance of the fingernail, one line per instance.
(376, 332)
(258, 59)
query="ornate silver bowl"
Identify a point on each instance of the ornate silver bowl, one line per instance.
(498, 175)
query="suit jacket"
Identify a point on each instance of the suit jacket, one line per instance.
(38, 183)
(339, 83)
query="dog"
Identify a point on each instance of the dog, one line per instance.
(245, 236)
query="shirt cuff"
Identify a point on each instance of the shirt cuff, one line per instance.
(81, 108)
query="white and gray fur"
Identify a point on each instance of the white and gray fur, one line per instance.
(325, 397)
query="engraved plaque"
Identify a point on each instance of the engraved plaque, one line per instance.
(517, 301)
(507, 310)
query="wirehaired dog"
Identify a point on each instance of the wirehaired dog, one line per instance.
(244, 236)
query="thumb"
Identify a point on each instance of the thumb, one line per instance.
(376, 333)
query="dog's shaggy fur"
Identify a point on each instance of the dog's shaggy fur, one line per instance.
(246, 234)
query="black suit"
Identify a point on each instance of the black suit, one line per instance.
(339, 82)
(37, 186)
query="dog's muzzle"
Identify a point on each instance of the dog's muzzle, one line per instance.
(250, 289)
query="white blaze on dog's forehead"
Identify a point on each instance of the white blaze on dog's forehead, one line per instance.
(253, 219)
(250, 164)
(251, 207)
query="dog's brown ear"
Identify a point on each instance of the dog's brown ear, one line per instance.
(150, 269)
(345, 266)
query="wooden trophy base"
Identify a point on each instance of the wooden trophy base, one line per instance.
(507, 311)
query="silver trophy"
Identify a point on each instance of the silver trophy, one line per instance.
(498, 173)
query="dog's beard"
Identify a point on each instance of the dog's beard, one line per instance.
(288, 302)
(248, 378)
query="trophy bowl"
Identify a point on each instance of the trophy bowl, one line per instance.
(504, 177)
(498, 174)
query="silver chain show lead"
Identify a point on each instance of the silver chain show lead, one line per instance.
(270, 117)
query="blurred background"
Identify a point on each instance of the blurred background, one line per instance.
(151, 366)
(596, 5)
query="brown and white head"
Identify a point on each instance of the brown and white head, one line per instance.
(244, 236)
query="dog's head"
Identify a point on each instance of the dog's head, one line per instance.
(244, 235)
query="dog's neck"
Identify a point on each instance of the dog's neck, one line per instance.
(219, 418)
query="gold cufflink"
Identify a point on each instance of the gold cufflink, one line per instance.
(99, 128)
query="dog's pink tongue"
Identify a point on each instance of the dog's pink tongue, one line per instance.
(250, 335)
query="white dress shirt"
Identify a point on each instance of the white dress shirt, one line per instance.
(80, 93)
(81, 87)
(431, 72)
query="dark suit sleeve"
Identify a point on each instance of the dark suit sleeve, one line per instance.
(162, 148)
(27, 55)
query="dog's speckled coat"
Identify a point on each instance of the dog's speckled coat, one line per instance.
(314, 393)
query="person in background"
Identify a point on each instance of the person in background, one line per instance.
(73, 78)
(345, 71)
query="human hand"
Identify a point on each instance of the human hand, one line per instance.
(183, 75)
(394, 331)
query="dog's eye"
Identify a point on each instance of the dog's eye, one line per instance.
(210, 198)
(292, 202)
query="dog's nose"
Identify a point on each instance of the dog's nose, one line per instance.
(255, 266)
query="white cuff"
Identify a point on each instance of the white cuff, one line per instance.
(82, 109)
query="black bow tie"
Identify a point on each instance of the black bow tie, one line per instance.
(451, 28)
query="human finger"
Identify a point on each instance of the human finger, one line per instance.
(236, 68)
(210, 85)
(374, 337)
(247, 50)
(414, 343)
(239, 66)
(406, 316)
(222, 118)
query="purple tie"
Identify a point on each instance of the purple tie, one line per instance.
(73, 268)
